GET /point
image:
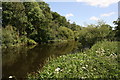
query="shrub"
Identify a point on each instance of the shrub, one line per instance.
(90, 35)
(65, 33)
(9, 36)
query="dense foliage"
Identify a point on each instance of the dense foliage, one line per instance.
(29, 23)
(90, 35)
(35, 21)
(100, 62)
(117, 28)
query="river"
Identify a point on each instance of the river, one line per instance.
(19, 61)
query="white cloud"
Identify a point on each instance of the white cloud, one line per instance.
(107, 14)
(101, 16)
(99, 3)
(69, 15)
(94, 18)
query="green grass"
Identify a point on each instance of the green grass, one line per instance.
(101, 61)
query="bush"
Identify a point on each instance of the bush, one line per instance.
(65, 33)
(9, 36)
(101, 61)
(90, 35)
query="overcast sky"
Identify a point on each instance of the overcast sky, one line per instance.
(86, 11)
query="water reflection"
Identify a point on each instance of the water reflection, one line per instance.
(22, 60)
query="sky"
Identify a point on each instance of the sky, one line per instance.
(119, 9)
(84, 12)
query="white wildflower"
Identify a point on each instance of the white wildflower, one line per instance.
(113, 55)
(96, 51)
(83, 77)
(94, 68)
(57, 69)
(84, 67)
(61, 70)
(10, 77)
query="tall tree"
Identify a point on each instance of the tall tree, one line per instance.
(14, 14)
(35, 17)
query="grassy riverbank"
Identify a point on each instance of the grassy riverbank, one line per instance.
(101, 61)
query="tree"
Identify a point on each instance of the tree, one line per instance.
(14, 14)
(90, 35)
(35, 17)
(45, 9)
(65, 33)
(60, 20)
(117, 28)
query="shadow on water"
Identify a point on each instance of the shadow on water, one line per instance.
(22, 60)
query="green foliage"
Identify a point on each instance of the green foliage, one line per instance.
(9, 36)
(108, 50)
(35, 16)
(14, 14)
(31, 42)
(100, 62)
(90, 35)
(31, 22)
(117, 28)
(35, 20)
(60, 20)
(65, 33)
(46, 10)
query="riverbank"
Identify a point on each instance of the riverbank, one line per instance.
(24, 57)
(101, 61)
(28, 42)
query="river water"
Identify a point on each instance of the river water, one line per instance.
(22, 60)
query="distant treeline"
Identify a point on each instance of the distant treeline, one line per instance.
(34, 22)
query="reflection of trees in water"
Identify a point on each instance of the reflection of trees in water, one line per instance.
(10, 55)
(13, 60)
(22, 60)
